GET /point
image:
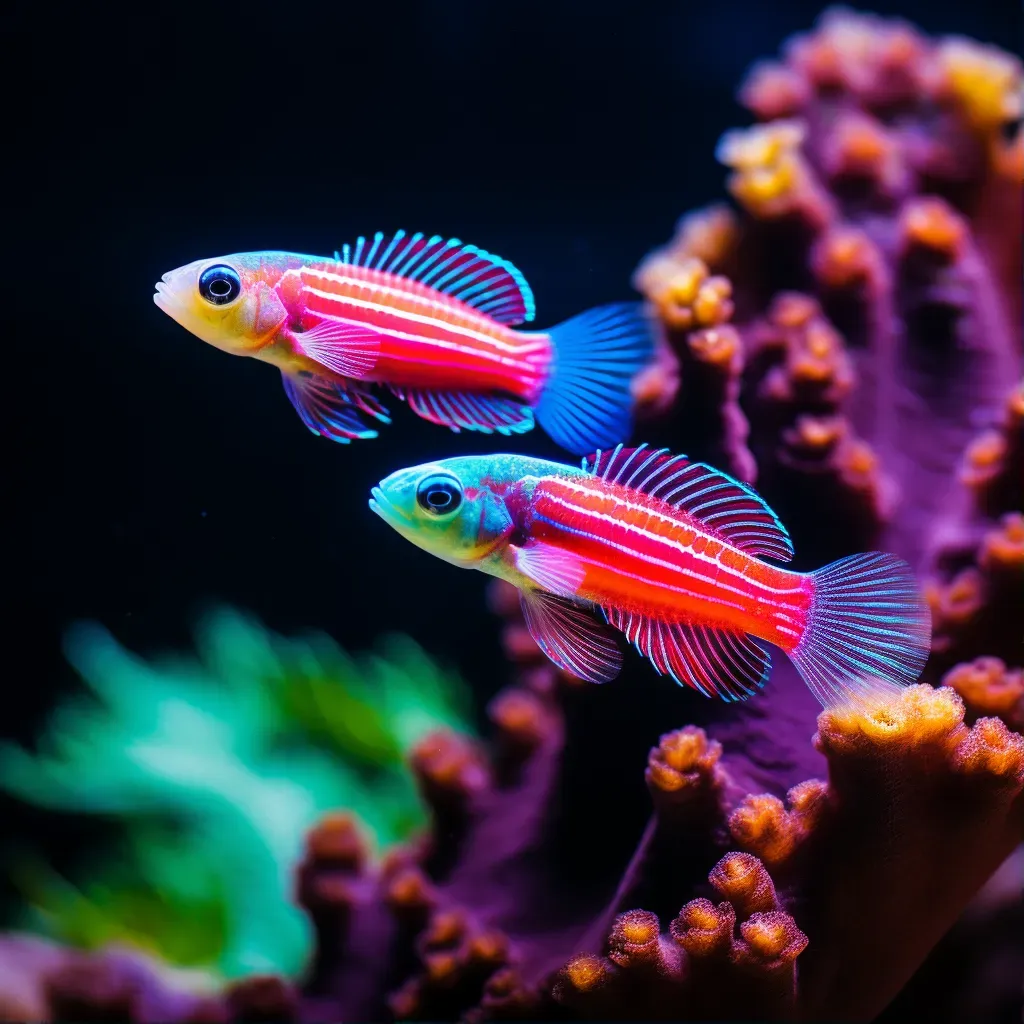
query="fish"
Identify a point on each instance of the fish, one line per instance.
(431, 320)
(675, 555)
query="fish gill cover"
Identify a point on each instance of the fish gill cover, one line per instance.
(847, 336)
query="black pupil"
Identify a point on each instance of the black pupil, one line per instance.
(219, 285)
(440, 496)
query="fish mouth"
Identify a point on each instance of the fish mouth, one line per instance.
(163, 296)
(387, 510)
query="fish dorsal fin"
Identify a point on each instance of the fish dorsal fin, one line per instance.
(482, 280)
(571, 636)
(727, 508)
(715, 662)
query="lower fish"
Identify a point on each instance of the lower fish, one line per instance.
(429, 319)
(672, 553)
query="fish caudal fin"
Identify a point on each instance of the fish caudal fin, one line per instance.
(587, 402)
(869, 630)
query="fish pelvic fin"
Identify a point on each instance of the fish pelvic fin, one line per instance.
(868, 632)
(587, 402)
(571, 636)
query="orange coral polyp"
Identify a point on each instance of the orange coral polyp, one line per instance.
(585, 972)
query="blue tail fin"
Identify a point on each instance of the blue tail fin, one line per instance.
(869, 630)
(587, 402)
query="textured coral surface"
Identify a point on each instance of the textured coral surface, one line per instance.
(848, 337)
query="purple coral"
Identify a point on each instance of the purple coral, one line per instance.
(850, 339)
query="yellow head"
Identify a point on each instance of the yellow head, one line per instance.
(232, 302)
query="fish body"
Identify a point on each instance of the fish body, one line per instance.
(675, 555)
(433, 321)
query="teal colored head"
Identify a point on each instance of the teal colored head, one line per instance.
(463, 510)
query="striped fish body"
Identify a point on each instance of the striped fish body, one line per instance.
(424, 338)
(674, 555)
(677, 556)
(431, 320)
(642, 556)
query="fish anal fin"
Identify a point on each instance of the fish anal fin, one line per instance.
(480, 279)
(467, 410)
(345, 347)
(731, 510)
(327, 409)
(571, 636)
(716, 662)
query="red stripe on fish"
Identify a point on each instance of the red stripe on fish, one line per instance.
(642, 556)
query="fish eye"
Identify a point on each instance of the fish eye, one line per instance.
(219, 284)
(439, 495)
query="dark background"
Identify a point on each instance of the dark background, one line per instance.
(151, 472)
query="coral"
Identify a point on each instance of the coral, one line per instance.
(233, 756)
(848, 337)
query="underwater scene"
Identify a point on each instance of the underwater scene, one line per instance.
(696, 334)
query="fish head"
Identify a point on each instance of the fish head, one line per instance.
(457, 509)
(230, 302)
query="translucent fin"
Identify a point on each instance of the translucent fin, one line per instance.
(552, 568)
(571, 636)
(729, 509)
(716, 662)
(344, 347)
(480, 279)
(587, 402)
(868, 632)
(468, 411)
(327, 409)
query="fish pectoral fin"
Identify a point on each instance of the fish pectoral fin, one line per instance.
(553, 569)
(330, 410)
(571, 636)
(716, 662)
(345, 347)
(466, 410)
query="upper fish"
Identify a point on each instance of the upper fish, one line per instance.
(676, 555)
(431, 320)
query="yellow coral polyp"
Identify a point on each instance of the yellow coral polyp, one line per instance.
(761, 146)
(688, 749)
(932, 224)
(983, 458)
(440, 966)
(766, 937)
(716, 345)
(793, 309)
(773, 91)
(762, 825)
(917, 716)
(585, 971)
(488, 947)
(991, 749)
(408, 889)
(701, 914)
(636, 927)
(987, 686)
(843, 258)
(713, 303)
(519, 714)
(983, 81)
(1004, 546)
(819, 432)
